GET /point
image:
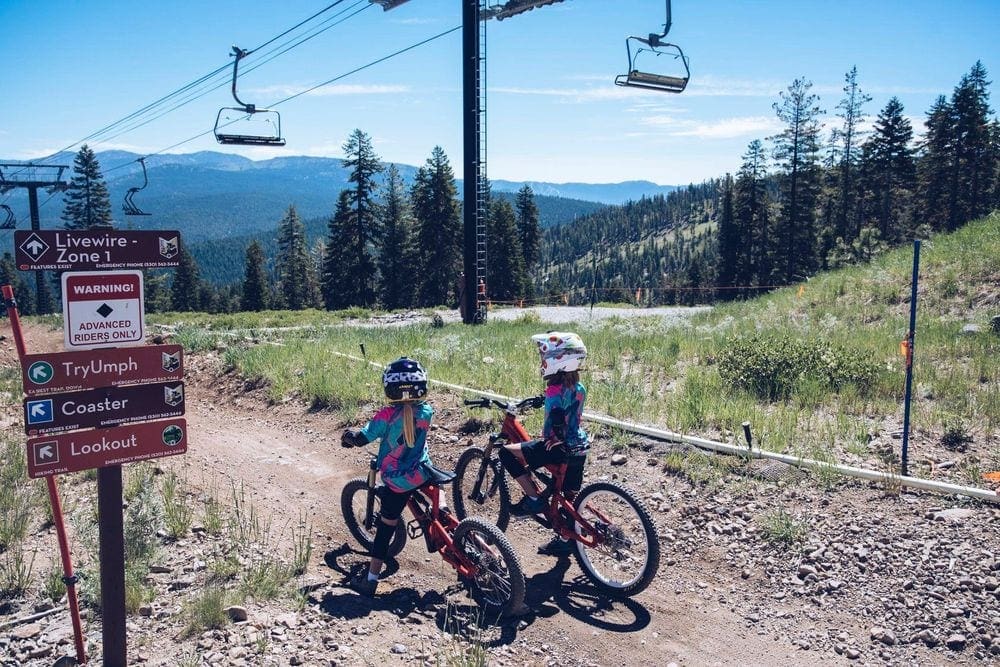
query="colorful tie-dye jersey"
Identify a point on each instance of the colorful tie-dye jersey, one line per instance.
(568, 400)
(403, 468)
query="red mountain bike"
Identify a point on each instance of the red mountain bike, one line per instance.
(481, 554)
(613, 532)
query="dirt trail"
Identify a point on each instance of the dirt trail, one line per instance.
(292, 462)
(912, 579)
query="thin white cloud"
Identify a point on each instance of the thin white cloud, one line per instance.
(282, 91)
(572, 94)
(723, 128)
(416, 21)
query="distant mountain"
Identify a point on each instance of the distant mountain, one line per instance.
(210, 195)
(604, 193)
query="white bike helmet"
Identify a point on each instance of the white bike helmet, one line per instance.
(559, 352)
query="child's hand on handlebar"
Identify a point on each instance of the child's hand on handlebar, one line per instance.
(352, 438)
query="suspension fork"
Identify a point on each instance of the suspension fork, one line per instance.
(370, 498)
(477, 494)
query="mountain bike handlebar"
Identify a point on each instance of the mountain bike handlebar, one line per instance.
(530, 402)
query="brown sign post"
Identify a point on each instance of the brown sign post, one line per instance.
(89, 250)
(71, 452)
(56, 372)
(103, 407)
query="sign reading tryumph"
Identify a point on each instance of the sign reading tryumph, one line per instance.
(43, 374)
(100, 408)
(91, 249)
(102, 309)
(71, 452)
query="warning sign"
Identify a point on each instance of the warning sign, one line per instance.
(102, 309)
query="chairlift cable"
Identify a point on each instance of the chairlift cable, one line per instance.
(180, 90)
(303, 92)
(225, 81)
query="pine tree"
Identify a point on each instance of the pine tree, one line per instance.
(364, 164)
(155, 284)
(398, 260)
(184, 290)
(731, 247)
(973, 159)
(933, 165)
(505, 272)
(87, 204)
(23, 295)
(292, 263)
(796, 149)
(852, 115)
(255, 283)
(439, 229)
(340, 260)
(528, 226)
(751, 214)
(890, 170)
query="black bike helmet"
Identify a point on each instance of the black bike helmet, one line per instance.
(404, 380)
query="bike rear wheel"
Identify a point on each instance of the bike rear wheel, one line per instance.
(498, 585)
(353, 503)
(626, 557)
(488, 498)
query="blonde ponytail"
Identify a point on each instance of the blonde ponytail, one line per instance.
(409, 424)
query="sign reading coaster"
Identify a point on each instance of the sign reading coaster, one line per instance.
(71, 452)
(102, 309)
(56, 372)
(87, 250)
(100, 408)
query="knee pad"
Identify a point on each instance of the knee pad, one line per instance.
(383, 534)
(510, 463)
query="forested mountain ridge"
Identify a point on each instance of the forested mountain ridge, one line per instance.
(209, 195)
(798, 204)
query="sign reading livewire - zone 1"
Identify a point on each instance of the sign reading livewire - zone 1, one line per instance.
(87, 250)
(102, 309)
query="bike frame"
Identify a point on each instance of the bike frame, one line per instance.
(427, 520)
(514, 432)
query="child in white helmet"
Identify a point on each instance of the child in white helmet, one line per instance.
(563, 438)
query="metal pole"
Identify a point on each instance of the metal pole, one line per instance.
(111, 531)
(909, 355)
(41, 293)
(57, 514)
(470, 122)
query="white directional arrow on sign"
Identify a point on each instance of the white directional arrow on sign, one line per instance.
(35, 247)
(45, 452)
(39, 372)
(37, 409)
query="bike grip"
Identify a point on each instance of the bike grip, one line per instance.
(746, 433)
(473, 401)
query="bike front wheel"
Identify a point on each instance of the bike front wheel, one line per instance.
(626, 552)
(354, 503)
(498, 584)
(480, 488)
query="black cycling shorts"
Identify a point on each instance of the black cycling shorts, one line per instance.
(536, 454)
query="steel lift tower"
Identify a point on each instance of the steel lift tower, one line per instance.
(31, 177)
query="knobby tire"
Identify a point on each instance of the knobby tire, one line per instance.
(352, 503)
(587, 558)
(500, 558)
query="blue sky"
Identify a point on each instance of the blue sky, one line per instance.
(72, 67)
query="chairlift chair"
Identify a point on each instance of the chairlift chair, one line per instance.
(128, 206)
(655, 44)
(256, 127)
(9, 221)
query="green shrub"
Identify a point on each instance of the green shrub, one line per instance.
(772, 367)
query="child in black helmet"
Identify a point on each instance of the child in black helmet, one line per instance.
(403, 460)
